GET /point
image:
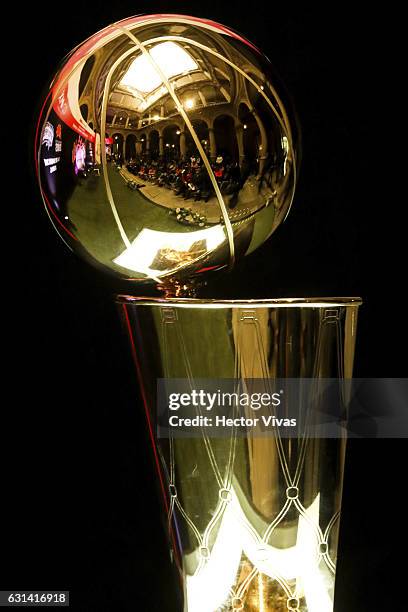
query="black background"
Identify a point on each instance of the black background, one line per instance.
(79, 508)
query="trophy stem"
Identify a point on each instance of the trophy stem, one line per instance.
(253, 519)
(174, 288)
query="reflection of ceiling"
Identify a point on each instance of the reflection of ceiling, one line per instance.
(140, 86)
(141, 76)
(137, 101)
(143, 83)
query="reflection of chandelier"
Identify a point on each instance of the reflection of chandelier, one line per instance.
(189, 103)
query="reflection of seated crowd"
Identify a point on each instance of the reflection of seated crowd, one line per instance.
(189, 178)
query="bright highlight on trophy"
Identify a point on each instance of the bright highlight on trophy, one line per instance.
(169, 133)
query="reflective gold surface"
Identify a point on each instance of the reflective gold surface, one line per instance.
(166, 148)
(253, 521)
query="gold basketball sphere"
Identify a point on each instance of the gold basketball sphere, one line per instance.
(165, 148)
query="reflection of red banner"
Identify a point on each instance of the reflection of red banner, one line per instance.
(63, 110)
(108, 141)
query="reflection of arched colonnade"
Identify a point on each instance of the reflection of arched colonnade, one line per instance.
(241, 135)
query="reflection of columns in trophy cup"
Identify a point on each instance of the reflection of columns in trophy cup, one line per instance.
(253, 520)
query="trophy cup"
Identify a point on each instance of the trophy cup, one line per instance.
(166, 151)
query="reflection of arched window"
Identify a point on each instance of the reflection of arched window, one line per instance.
(85, 74)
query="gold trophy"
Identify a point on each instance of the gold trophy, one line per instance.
(166, 151)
